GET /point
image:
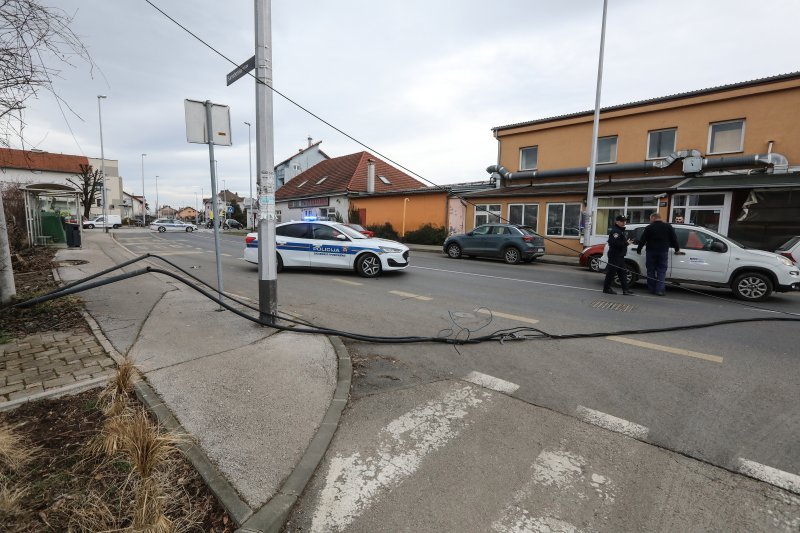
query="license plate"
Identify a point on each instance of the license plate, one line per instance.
(540, 250)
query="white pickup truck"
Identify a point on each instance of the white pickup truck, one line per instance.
(717, 261)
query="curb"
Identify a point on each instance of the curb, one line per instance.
(273, 515)
(72, 388)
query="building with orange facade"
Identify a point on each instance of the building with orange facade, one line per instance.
(727, 158)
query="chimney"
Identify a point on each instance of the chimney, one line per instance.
(370, 176)
(310, 141)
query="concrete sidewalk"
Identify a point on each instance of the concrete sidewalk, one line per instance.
(251, 398)
(571, 260)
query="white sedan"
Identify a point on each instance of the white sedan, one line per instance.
(170, 224)
(321, 244)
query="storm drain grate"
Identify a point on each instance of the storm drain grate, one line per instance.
(613, 306)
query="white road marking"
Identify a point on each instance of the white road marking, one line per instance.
(768, 474)
(506, 315)
(491, 382)
(187, 252)
(226, 255)
(346, 281)
(612, 423)
(668, 349)
(354, 481)
(507, 279)
(410, 295)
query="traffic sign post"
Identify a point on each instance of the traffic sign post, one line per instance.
(230, 209)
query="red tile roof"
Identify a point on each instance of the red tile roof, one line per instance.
(24, 159)
(347, 173)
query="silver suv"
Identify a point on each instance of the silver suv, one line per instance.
(717, 261)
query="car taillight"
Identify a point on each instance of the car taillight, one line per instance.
(789, 256)
(248, 239)
(527, 238)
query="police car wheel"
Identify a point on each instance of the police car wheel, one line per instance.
(368, 266)
(189, 230)
(162, 229)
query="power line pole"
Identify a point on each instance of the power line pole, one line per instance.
(103, 163)
(265, 156)
(144, 204)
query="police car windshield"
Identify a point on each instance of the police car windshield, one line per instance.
(350, 232)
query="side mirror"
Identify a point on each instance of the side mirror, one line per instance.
(341, 237)
(718, 247)
(469, 234)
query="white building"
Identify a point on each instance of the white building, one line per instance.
(304, 159)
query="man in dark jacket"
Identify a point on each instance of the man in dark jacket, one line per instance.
(659, 237)
(617, 248)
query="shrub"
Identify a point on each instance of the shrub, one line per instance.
(385, 231)
(426, 234)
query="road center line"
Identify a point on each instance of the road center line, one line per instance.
(346, 281)
(491, 382)
(410, 295)
(506, 315)
(507, 279)
(768, 474)
(668, 349)
(612, 423)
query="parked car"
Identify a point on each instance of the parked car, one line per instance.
(232, 224)
(511, 242)
(790, 249)
(590, 257)
(361, 229)
(170, 224)
(717, 261)
(113, 221)
(323, 244)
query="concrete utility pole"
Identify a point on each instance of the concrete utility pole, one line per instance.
(157, 211)
(103, 162)
(265, 156)
(144, 204)
(7, 288)
(588, 229)
(250, 219)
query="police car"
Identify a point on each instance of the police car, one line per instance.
(323, 244)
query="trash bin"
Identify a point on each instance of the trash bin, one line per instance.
(73, 235)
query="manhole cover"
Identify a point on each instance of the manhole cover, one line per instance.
(613, 306)
(72, 262)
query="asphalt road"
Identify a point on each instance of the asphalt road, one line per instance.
(727, 395)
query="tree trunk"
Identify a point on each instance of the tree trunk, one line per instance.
(7, 288)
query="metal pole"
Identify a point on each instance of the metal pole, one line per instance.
(250, 219)
(214, 199)
(144, 204)
(403, 231)
(102, 162)
(158, 212)
(588, 229)
(265, 157)
(196, 212)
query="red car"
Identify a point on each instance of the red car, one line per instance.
(365, 231)
(590, 257)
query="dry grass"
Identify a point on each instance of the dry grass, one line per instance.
(11, 502)
(15, 452)
(145, 445)
(109, 441)
(119, 388)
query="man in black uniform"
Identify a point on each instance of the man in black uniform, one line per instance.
(658, 237)
(617, 248)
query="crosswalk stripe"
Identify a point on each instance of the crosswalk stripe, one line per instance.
(768, 474)
(612, 423)
(491, 382)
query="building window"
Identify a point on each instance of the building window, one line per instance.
(607, 149)
(524, 215)
(280, 174)
(725, 137)
(278, 216)
(302, 184)
(661, 143)
(99, 202)
(487, 214)
(636, 208)
(528, 158)
(328, 213)
(323, 178)
(385, 180)
(563, 220)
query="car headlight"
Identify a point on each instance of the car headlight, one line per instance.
(388, 250)
(785, 260)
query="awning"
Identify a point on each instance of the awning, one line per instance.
(744, 181)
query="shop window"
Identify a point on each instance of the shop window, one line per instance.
(607, 150)
(725, 137)
(487, 214)
(637, 208)
(563, 220)
(528, 158)
(524, 215)
(661, 143)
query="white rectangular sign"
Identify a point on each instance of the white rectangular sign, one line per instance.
(196, 126)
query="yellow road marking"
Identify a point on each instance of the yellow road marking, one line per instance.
(668, 349)
(506, 315)
(347, 281)
(410, 295)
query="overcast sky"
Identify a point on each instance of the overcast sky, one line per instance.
(422, 81)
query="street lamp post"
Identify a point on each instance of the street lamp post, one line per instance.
(250, 217)
(102, 161)
(158, 212)
(144, 204)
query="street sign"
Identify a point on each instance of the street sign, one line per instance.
(230, 209)
(197, 123)
(241, 70)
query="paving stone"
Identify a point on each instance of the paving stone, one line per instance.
(12, 388)
(97, 350)
(29, 351)
(14, 378)
(105, 373)
(94, 359)
(50, 351)
(58, 382)
(80, 372)
(23, 345)
(81, 350)
(25, 393)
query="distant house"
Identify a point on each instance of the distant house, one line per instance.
(132, 205)
(187, 214)
(325, 189)
(304, 159)
(167, 212)
(224, 199)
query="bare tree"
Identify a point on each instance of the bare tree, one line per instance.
(33, 38)
(89, 182)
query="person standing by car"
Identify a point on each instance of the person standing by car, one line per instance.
(659, 237)
(617, 248)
